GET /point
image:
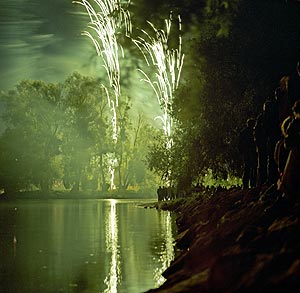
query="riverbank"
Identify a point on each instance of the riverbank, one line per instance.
(235, 241)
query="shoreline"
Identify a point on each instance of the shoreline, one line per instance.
(235, 241)
(65, 194)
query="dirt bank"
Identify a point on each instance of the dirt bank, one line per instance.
(236, 241)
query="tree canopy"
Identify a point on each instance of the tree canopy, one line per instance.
(59, 136)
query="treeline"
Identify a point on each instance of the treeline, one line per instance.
(60, 136)
(235, 55)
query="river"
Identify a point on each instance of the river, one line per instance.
(109, 246)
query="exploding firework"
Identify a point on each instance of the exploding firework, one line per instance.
(104, 26)
(168, 65)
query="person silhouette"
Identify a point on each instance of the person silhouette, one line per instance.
(248, 150)
(290, 183)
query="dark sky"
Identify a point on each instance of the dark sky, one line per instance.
(41, 39)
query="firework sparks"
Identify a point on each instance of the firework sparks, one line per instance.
(168, 64)
(104, 26)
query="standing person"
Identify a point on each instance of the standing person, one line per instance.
(281, 96)
(281, 153)
(248, 150)
(273, 136)
(260, 138)
(267, 134)
(159, 193)
(294, 86)
(290, 184)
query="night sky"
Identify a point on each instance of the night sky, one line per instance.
(41, 39)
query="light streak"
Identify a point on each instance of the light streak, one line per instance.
(113, 278)
(168, 65)
(104, 26)
(111, 170)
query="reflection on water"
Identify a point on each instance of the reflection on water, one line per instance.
(167, 249)
(109, 246)
(112, 246)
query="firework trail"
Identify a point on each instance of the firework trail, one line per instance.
(105, 25)
(168, 64)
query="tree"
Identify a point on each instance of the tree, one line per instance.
(235, 54)
(31, 138)
(84, 138)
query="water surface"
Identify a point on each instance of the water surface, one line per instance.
(83, 246)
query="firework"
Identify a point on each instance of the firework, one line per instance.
(104, 26)
(168, 65)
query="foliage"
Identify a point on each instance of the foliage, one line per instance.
(60, 133)
(85, 130)
(235, 54)
(30, 142)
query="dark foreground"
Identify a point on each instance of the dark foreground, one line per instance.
(236, 241)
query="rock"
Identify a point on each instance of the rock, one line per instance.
(236, 241)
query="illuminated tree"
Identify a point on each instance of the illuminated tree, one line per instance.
(85, 136)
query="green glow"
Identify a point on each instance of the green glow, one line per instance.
(168, 65)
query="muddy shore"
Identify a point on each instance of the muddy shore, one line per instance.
(235, 241)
